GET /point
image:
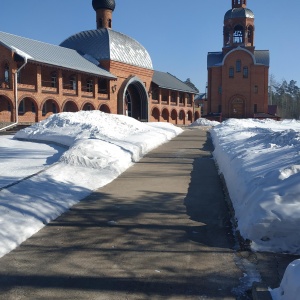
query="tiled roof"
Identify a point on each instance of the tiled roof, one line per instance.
(107, 44)
(52, 55)
(168, 81)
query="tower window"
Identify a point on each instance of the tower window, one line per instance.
(231, 72)
(238, 66)
(238, 34)
(109, 23)
(245, 72)
(100, 23)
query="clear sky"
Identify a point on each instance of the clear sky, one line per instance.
(177, 33)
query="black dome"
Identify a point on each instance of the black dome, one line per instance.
(104, 4)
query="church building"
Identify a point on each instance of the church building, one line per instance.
(100, 69)
(238, 75)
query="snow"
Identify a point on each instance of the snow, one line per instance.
(290, 285)
(261, 165)
(204, 122)
(56, 162)
(50, 166)
(260, 162)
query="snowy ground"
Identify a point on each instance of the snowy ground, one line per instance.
(76, 153)
(260, 161)
(80, 152)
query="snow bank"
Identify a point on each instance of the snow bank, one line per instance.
(97, 148)
(204, 122)
(261, 165)
(290, 285)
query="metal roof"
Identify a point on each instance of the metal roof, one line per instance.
(262, 57)
(52, 55)
(239, 13)
(169, 81)
(107, 44)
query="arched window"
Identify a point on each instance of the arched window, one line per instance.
(231, 72)
(109, 23)
(238, 36)
(100, 23)
(6, 73)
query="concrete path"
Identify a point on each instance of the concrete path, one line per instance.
(159, 231)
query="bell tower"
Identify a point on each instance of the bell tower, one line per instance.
(104, 10)
(239, 3)
(238, 30)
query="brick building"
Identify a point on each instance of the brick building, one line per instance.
(99, 69)
(238, 75)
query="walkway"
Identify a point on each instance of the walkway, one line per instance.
(159, 231)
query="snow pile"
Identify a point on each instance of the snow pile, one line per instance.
(261, 165)
(290, 285)
(204, 122)
(87, 151)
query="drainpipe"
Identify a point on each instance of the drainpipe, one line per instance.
(16, 92)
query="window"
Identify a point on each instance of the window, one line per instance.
(73, 83)
(53, 80)
(238, 34)
(109, 23)
(245, 72)
(89, 85)
(6, 73)
(231, 72)
(220, 90)
(256, 89)
(102, 86)
(100, 23)
(173, 97)
(238, 66)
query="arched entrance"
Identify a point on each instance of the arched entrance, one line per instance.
(165, 115)
(49, 107)
(174, 116)
(133, 99)
(237, 108)
(88, 106)
(27, 110)
(6, 107)
(104, 108)
(155, 114)
(70, 106)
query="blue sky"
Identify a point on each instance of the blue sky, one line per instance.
(177, 34)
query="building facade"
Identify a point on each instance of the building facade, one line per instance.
(99, 69)
(238, 75)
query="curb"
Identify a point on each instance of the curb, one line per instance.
(260, 292)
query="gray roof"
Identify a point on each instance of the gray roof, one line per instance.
(51, 54)
(107, 44)
(262, 57)
(169, 81)
(239, 13)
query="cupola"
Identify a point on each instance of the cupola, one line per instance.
(104, 10)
